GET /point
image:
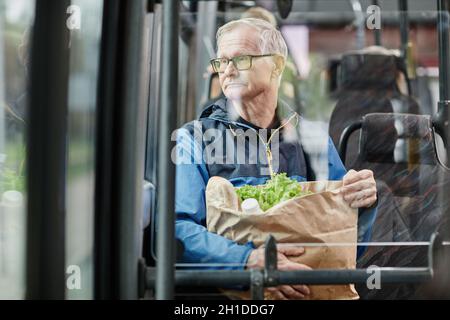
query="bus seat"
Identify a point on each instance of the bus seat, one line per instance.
(400, 150)
(367, 84)
(410, 207)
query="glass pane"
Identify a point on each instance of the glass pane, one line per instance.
(335, 73)
(84, 65)
(16, 19)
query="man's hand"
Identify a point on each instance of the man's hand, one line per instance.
(359, 190)
(285, 292)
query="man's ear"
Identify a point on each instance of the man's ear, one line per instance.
(280, 63)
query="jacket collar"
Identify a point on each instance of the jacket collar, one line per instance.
(219, 111)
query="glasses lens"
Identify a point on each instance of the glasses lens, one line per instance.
(219, 65)
(216, 65)
(242, 62)
(223, 64)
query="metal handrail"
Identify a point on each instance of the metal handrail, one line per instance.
(270, 276)
(224, 278)
(345, 136)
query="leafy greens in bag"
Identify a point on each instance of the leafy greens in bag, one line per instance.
(278, 189)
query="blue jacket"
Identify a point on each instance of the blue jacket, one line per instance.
(196, 163)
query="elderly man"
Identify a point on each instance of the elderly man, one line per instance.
(251, 58)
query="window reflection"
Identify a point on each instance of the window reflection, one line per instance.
(335, 84)
(15, 24)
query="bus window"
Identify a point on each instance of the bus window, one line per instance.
(387, 86)
(16, 18)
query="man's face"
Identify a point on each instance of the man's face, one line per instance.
(245, 84)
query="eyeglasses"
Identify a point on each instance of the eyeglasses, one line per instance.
(240, 62)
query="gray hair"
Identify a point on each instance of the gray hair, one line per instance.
(271, 39)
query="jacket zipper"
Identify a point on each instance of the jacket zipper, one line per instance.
(266, 144)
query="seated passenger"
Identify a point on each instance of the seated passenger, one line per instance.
(251, 59)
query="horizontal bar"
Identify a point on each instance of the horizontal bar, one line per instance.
(336, 244)
(227, 278)
(366, 244)
(210, 265)
(360, 244)
(205, 278)
(328, 277)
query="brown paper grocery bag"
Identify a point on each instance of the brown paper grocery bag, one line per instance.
(322, 217)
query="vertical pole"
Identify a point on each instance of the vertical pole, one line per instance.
(442, 118)
(377, 32)
(105, 247)
(121, 127)
(360, 23)
(404, 26)
(46, 156)
(205, 49)
(444, 63)
(166, 173)
(131, 146)
(406, 45)
(441, 121)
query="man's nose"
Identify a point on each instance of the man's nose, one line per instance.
(230, 69)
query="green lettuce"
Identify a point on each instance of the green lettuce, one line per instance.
(277, 189)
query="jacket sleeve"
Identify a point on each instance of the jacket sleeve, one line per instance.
(200, 246)
(366, 217)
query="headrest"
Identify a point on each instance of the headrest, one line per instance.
(371, 68)
(397, 138)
